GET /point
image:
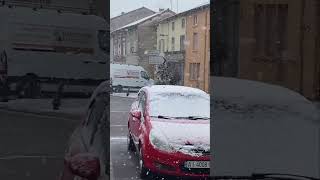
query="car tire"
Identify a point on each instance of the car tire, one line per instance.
(130, 144)
(143, 172)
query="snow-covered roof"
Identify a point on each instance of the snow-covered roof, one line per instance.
(261, 128)
(141, 20)
(159, 89)
(202, 5)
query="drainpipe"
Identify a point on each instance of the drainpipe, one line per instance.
(205, 51)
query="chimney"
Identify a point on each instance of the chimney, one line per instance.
(122, 13)
(161, 9)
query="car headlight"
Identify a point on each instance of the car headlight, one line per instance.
(159, 143)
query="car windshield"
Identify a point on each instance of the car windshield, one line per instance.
(179, 105)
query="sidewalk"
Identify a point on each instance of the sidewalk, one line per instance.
(70, 108)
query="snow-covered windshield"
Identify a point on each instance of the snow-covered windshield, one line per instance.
(180, 105)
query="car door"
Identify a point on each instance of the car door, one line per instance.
(94, 129)
(142, 107)
(135, 122)
(100, 139)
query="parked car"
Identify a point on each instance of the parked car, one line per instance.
(169, 129)
(262, 130)
(87, 155)
(126, 76)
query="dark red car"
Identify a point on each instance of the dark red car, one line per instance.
(87, 155)
(169, 130)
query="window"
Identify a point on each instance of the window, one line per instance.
(142, 102)
(195, 20)
(96, 112)
(119, 46)
(182, 39)
(172, 43)
(194, 71)
(162, 43)
(270, 29)
(183, 23)
(172, 25)
(123, 50)
(115, 43)
(195, 41)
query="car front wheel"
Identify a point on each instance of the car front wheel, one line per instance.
(130, 143)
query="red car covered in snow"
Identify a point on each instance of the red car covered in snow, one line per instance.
(169, 128)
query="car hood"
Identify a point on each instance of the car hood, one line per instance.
(186, 136)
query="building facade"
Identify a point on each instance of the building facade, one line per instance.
(171, 39)
(124, 19)
(132, 41)
(280, 43)
(197, 48)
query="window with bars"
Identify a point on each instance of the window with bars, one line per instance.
(270, 29)
(195, 20)
(194, 71)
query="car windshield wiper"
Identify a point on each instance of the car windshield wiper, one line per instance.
(162, 117)
(277, 176)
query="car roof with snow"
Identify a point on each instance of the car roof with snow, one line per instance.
(259, 128)
(166, 89)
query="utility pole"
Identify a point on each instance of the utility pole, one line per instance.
(177, 6)
(171, 4)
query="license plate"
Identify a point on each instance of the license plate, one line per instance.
(197, 164)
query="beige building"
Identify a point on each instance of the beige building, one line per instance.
(171, 38)
(171, 34)
(280, 43)
(197, 57)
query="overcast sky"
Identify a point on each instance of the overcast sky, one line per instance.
(118, 6)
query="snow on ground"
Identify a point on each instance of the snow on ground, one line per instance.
(74, 107)
(131, 95)
(263, 128)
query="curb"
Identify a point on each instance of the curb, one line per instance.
(44, 113)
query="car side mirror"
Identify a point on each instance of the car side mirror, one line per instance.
(136, 114)
(84, 165)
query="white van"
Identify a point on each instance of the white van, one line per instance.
(48, 46)
(124, 76)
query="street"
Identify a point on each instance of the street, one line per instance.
(124, 164)
(32, 146)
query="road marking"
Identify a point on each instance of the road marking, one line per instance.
(119, 111)
(117, 138)
(118, 125)
(28, 157)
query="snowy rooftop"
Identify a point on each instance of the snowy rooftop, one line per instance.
(159, 89)
(141, 20)
(200, 6)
